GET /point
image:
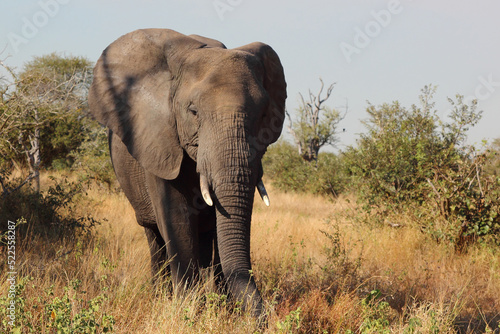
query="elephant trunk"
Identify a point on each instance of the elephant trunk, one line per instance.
(234, 190)
(233, 174)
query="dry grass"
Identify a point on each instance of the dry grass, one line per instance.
(311, 283)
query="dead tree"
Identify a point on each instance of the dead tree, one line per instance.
(316, 124)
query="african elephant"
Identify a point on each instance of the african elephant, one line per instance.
(189, 121)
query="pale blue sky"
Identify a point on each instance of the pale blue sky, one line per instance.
(377, 51)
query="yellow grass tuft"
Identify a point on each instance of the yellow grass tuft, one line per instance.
(353, 277)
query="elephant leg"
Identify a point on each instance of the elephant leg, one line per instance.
(177, 228)
(207, 236)
(132, 178)
(159, 266)
(209, 255)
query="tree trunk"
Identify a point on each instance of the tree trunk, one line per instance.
(34, 157)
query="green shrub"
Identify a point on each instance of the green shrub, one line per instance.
(391, 161)
(91, 158)
(376, 314)
(42, 109)
(61, 136)
(493, 158)
(290, 172)
(292, 322)
(469, 200)
(411, 161)
(70, 312)
(51, 214)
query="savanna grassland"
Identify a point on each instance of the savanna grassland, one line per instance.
(320, 266)
(398, 233)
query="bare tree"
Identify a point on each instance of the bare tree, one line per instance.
(316, 123)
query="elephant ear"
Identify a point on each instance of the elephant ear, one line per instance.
(275, 85)
(132, 95)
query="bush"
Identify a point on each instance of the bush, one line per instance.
(493, 158)
(409, 160)
(468, 199)
(91, 158)
(59, 137)
(290, 172)
(72, 312)
(42, 109)
(51, 214)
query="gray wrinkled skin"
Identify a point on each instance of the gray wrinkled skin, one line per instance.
(178, 107)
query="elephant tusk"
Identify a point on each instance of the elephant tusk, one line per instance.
(263, 192)
(205, 192)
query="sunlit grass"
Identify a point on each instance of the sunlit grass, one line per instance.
(363, 278)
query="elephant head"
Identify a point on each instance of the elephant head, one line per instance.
(171, 97)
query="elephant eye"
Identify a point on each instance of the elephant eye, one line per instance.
(192, 109)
